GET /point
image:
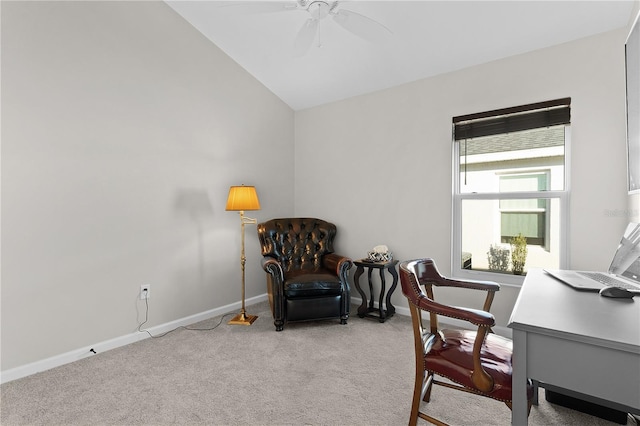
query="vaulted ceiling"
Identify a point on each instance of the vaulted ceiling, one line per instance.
(425, 38)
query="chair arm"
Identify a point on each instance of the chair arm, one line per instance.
(431, 275)
(474, 316)
(470, 284)
(489, 286)
(339, 264)
(484, 321)
(272, 267)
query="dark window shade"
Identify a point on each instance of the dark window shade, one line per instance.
(508, 120)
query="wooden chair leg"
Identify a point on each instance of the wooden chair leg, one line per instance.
(428, 384)
(417, 393)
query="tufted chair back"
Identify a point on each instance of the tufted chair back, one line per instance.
(297, 243)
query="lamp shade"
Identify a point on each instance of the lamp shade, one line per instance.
(243, 198)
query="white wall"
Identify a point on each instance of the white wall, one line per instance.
(390, 178)
(122, 130)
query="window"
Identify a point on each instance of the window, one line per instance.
(526, 217)
(510, 179)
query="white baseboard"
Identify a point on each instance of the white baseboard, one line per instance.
(75, 355)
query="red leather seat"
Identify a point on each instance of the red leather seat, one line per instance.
(475, 361)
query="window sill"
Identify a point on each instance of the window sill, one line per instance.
(503, 279)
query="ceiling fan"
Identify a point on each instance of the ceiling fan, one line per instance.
(353, 22)
(319, 10)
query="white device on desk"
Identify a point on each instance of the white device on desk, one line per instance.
(624, 271)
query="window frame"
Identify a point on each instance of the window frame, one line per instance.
(458, 197)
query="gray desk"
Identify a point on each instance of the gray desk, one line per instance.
(578, 341)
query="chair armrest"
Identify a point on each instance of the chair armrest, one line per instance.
(489, 286)
(470, 284)
(272, 267)
(431, 275)
(337, 263)
(474, 316)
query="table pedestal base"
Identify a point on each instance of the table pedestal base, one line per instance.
(367, 309)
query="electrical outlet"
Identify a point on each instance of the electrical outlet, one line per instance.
(145, 291)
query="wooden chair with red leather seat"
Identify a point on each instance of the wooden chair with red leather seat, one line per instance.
(474, 361)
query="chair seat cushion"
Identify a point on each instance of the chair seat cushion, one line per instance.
(299, 284)
(451, 357)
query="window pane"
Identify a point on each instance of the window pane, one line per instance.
(531, 225)
(524, 182)
(538, 153)
(487, 231)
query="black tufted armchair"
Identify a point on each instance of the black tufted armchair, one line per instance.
(305, 279)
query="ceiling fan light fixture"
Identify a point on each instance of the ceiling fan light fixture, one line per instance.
(319, 9)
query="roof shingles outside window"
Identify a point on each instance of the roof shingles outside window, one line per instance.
(525, 140)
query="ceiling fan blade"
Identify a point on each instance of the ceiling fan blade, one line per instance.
(362, 26)
(251, 7)
(305, 37)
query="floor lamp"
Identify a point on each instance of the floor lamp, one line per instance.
(243, 198)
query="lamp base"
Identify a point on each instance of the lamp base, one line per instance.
(243, 319)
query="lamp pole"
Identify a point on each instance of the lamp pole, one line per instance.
(243, 318)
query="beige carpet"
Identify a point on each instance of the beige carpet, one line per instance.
(320, 373)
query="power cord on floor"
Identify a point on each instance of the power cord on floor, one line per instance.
(146, 318)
